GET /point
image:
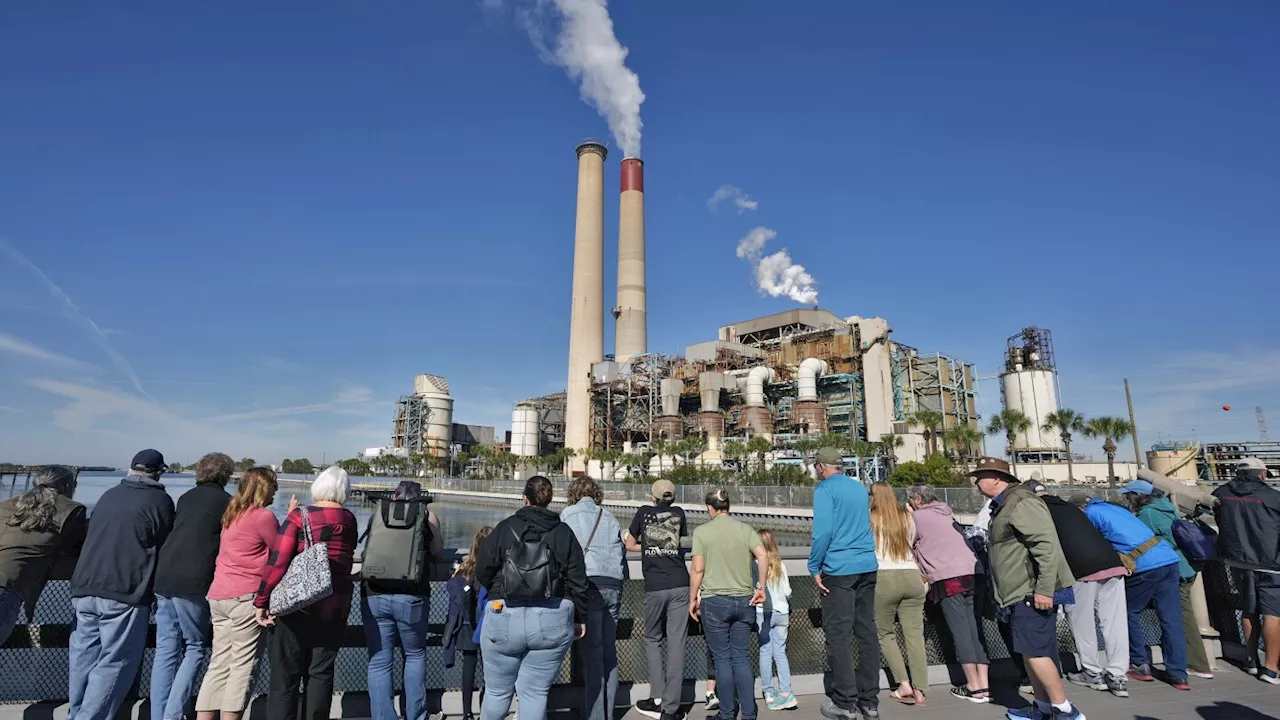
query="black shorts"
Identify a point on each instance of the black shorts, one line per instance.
(1259, 592)
(1034, 632)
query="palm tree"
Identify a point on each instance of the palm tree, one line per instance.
(1113, 429)
(758, 446)
(691, 447)
(930, 420)
(1010, 422)
(864, 451)
(1065, 421)
(806, 447)
(963, 438)
(660, 447)
(891, 443)
(734, 451)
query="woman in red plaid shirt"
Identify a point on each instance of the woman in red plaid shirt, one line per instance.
(304, 644)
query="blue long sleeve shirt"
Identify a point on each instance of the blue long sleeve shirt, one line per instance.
(1126, 533)
(842, 540)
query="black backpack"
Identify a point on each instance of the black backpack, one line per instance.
(397, 543)
(529, 571)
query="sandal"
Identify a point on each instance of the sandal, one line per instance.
(981, 695)
(904, 699)
(921, 699)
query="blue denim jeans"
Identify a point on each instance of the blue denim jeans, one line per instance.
(388, 618)
(598, 652)
(1157, 587)
(10, 606)
(107, 640)
(727, 623)
(183, 632)
(773, 650)
(522, 647)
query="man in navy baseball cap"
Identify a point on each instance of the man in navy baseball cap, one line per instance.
(150, 462)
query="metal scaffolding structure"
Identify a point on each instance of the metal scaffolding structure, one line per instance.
(943, 384)
(409, 428)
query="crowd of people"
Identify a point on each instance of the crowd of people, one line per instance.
(226, 578)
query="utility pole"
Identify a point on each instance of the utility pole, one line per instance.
(1137, 454)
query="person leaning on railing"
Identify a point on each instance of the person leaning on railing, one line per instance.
(37, 528)
(249, 531)
(306, 643)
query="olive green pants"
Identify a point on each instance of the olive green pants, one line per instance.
(1197, 658)
(900, 595)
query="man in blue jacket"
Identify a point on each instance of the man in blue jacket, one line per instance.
(842, 560)
(1154, 579)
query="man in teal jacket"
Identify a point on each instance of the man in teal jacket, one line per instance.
(1158, 512)
(842, 560)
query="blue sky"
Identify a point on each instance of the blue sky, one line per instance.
(247, 227)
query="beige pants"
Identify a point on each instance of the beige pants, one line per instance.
(235, 653)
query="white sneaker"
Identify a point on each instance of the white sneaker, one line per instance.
(1200, 674)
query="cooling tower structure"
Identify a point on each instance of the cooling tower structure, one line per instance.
(586, 315)
(1029, 383)
(630, 329)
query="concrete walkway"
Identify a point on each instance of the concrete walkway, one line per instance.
(1231, 695)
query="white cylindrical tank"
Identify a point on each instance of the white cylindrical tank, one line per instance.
(439, 433)
(524, 431)
(756, 379)
(807, 379)
(1035, 394)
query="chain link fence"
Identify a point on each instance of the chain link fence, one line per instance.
(963, 500)
(35, 666)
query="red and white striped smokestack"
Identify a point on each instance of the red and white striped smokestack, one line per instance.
(586, 316)
(631, 329)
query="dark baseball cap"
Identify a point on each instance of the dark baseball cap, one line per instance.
(150, 461)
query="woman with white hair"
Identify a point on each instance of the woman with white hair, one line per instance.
(306, 643)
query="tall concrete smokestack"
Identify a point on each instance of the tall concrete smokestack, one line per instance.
(586, 315)
(630, 330)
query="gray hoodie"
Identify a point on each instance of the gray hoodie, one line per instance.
(605, 556)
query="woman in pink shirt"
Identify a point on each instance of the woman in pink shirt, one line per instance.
(248, 530)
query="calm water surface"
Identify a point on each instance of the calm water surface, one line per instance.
(458, 521)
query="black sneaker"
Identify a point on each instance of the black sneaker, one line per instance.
(671, 716)
(869, 712)
(649, 708)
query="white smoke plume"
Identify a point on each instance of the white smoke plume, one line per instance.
(776, 275)
(585, 46)
(739, 198)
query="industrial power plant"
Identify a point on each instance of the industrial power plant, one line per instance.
(796, 373)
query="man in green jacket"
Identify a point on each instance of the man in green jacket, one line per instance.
(1032, 579)
(1157, 512)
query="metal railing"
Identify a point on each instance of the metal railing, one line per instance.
(35, 660)
(963, 500)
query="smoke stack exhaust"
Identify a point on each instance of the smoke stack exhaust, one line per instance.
(586, 316)
(631, 325)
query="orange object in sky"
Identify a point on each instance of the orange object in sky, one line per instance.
(1226, 407)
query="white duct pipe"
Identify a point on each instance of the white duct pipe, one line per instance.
(756, 379)
(671, 389)
(810, 370)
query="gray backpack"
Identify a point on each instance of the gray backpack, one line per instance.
(397, 544)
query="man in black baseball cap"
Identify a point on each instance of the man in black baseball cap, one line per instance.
(149, 462)
(112, 588)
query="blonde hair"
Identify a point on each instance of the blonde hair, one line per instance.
(256, 489)
(467, 568)
(770, 544)
(890, 523)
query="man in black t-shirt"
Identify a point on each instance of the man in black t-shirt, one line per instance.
(655, 532)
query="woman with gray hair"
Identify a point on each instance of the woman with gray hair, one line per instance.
(950, 568)
(36, 529)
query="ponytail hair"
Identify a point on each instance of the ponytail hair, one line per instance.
(35, 509)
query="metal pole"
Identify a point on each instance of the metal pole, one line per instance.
(1137, 454)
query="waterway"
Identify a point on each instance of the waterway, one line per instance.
(458, 520)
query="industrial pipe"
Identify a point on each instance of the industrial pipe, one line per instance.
(756, 379)
(810, 370)
(671, 389)
(1187, 497)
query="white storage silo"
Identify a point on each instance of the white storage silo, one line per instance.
(1029, 383)
(524, 430)
(434, 390)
